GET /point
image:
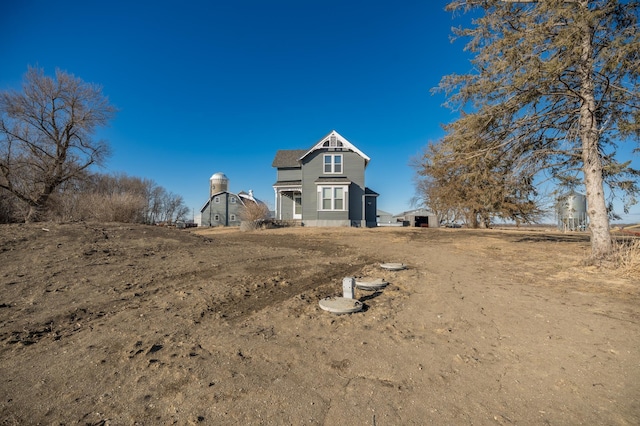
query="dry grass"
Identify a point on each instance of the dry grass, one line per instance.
(626, 257)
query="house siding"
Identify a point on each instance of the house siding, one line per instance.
(289, 174)
(353, 168)
(307, 176)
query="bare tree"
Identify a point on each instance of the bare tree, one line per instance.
(254, 214)
(254, 211)
(46, 135)
(173, 208)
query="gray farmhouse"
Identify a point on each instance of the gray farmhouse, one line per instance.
(324, 185)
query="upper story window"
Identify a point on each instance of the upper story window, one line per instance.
(232, 217)
(333, 163)
(232, 200)
(216, 218)
(216, 200)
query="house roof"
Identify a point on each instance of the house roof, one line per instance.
(370, 192)
(292, 157)
(335, 140)
(288, 158)
(288, 183)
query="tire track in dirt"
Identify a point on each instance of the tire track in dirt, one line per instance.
(144, 271)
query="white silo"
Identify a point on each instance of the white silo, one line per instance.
(572, 212)
(219, 182)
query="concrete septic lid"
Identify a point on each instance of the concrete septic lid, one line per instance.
(340, 305)
(393, 266)
(375, 284)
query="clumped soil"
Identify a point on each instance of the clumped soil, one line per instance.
(129, 324)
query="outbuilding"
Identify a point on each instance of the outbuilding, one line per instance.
(422, 218)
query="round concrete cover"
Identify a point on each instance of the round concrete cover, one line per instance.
(340, 305)
(393, 266)
(375, 284)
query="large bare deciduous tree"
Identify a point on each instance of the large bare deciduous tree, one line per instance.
(556, 84)
(47, 135)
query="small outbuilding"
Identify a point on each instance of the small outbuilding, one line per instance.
(421, 218)
(384, 218)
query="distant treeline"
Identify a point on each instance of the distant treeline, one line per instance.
(103, 198)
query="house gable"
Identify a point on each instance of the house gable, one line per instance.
(334, 141)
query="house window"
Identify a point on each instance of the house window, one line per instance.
(216, 218)
(232, 200)
(333, 163)
(332, 198)
(297, 205)
(333, 143)
(233, 217)
(216, 200)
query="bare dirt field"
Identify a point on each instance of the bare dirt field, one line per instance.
(129, 324)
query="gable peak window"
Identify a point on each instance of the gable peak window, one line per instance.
(332, 164)
(332, 142)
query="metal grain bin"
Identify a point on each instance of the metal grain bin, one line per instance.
(572, 212)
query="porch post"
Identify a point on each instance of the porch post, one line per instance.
(276, 203)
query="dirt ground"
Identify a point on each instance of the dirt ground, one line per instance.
(129, 324)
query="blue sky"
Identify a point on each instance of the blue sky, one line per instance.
(211, 86)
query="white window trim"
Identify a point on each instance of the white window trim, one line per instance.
(333, 164)
(216, 218)
(232, 217)
(345, 198)
(297, 215)
(232, 200)
(216, 199)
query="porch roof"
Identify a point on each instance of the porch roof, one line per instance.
(288, 183)
(333, 179)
